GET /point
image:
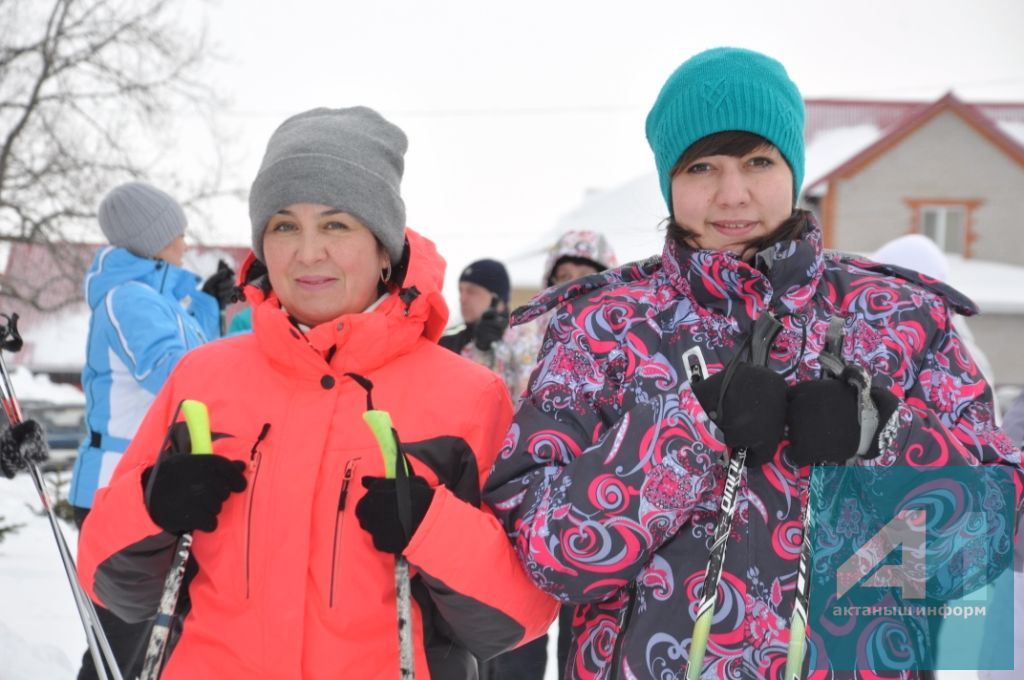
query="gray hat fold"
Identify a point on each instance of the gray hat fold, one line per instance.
(350, 159)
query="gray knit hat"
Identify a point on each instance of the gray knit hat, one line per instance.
(350, 159)
(141, 218)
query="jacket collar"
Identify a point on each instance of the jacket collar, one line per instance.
(782, 278)
(113, 266)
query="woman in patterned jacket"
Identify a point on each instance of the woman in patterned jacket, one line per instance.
(609, 481)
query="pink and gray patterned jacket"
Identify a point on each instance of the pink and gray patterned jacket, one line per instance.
(609, 480)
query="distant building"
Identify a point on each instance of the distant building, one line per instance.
(950, 170)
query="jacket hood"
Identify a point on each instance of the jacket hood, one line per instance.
(579, 244)
(112, 266)
(362, 341)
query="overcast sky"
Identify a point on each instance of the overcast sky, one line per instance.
(515, 109)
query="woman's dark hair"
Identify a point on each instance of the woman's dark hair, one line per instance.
(734, 143)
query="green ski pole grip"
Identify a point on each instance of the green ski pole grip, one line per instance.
(380, 425)
(197, 419)
(701, 630)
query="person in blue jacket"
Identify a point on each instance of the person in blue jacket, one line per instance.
(147, 312)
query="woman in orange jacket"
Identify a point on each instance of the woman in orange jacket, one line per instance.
(296, 526)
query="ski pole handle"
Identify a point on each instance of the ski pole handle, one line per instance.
(197, 419)
(380, 425)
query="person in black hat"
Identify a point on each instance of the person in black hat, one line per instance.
(483, 299)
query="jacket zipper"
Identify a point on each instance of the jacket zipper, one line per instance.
(255, 458)
(623, 625)
(339, 521)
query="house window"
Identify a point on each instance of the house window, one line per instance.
(948, 222)
(946, 225)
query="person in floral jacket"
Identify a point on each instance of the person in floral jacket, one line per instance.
(609, 481)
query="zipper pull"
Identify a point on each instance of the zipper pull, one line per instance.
(349, 469)
(254, 452)
(263, 435)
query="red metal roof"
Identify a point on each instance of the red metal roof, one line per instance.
(828, 114)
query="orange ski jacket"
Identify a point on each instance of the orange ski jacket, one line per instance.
(289, 585)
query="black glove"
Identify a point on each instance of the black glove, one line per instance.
(489, 329)
(221, 285)
(752, 411)
(377, 512)
(189, 490)
(20, 444)
(824, 421)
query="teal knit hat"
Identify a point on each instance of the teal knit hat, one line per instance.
(726, 88)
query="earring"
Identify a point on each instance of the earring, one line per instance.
(385, 277)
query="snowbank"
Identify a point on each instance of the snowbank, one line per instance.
(30, 387)
(40, 633)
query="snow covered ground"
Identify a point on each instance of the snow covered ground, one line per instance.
(40, 633)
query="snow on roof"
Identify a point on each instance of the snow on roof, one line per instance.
(55, 341)
(1013, 129)
(832, 148)
(996, 288)
(628, 215)
(29, 387)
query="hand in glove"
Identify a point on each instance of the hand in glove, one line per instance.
(489, 329)
(20, 444)
(221, 285)
(752, 411)
(188, 490)
(377, 511)
(825, 416)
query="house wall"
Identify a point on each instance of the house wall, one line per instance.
(999, 337)
(944, 159)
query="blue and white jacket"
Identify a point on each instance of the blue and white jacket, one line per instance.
(146, 314)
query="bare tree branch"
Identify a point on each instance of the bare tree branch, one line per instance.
(91, 92)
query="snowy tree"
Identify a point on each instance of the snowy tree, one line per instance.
(94, 93)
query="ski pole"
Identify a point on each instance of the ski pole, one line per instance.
(765, 328)
(99, 647)
(832, 363)
(709, 595)
(798, 622)
(197, 419)
(380, 425)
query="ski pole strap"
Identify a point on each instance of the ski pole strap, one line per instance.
(833, 364)
(831, 357)
(766, 327)
(867, 412)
